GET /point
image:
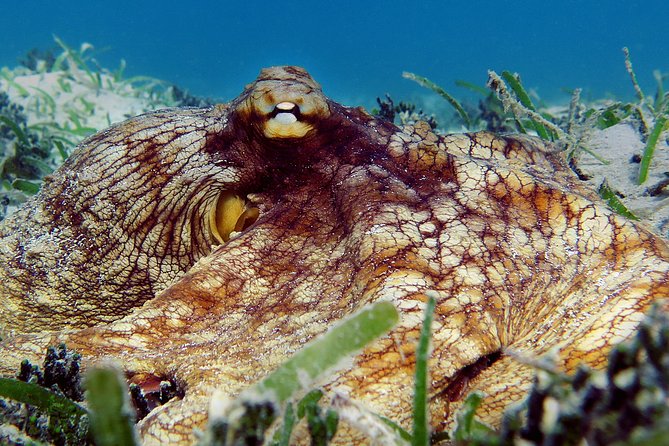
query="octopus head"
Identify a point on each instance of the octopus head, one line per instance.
(284, 103)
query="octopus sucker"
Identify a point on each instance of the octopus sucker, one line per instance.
(206, 246)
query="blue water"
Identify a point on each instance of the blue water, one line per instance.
(357, 49)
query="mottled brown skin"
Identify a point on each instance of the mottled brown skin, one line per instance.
(114, 255)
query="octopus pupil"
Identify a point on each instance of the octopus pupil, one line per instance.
(295, 110)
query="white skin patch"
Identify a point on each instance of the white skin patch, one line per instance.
(286, 117)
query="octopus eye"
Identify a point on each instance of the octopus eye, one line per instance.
(284, 103)
(231, 213)
(285, 121)
(286, 113)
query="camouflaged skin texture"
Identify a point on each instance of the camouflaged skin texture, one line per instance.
(115, 258)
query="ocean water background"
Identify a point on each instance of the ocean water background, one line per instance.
(358, 49)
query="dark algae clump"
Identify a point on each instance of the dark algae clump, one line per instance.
(24, 155)
(42, 403)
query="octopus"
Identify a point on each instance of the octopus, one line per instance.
(205, 246)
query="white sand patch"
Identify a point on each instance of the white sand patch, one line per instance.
(73, 100)
(619, 144)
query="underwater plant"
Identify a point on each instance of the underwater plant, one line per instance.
(405, 111)
(44, 404)
(25, 155)
(657, 106)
